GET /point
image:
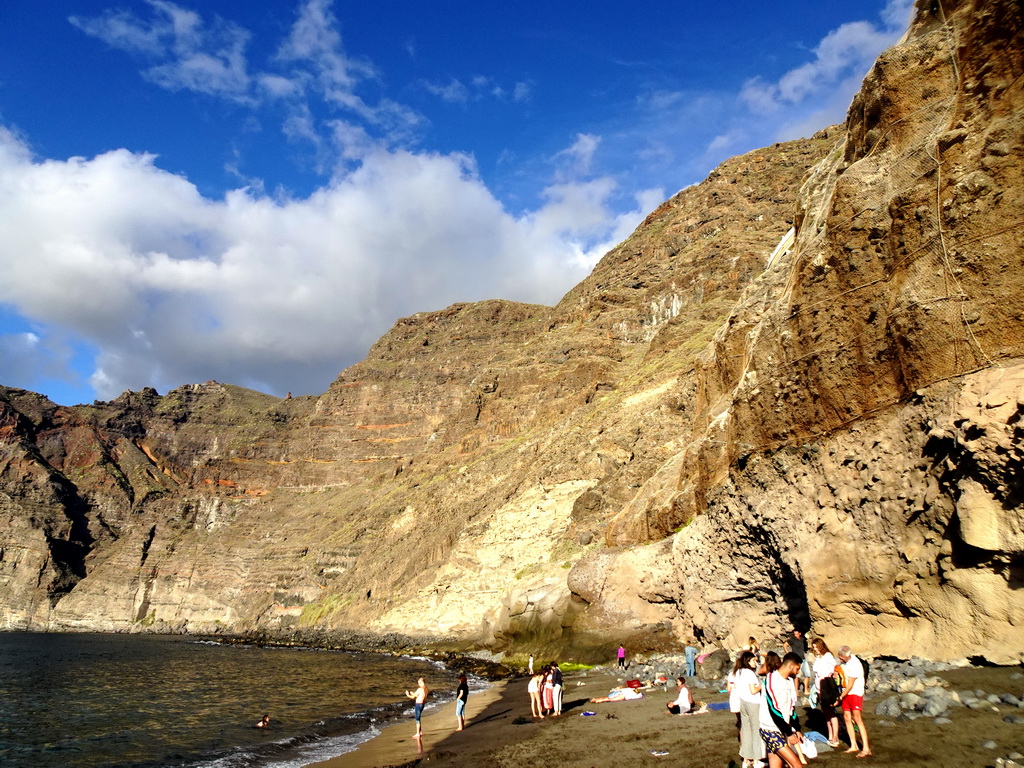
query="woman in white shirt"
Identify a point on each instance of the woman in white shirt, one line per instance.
(824, 668)
(746, 689)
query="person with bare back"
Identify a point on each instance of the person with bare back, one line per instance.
(419, 697)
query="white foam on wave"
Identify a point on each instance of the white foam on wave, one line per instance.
(301, 755)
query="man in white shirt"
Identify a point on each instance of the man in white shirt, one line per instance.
(779, 726)
(853, 700)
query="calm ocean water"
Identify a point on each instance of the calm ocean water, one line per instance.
(84, 701)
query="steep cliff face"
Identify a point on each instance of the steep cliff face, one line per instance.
(723, 429)
(856, 458)
(443, 486)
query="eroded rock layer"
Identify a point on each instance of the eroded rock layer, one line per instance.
(791, 396)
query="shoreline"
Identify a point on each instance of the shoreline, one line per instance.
(395, 745)
(501, 733)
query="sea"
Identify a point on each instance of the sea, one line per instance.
(150, 701)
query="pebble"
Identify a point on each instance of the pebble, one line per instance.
(989, 744)
(1015, 719)
(1015, 756)
(890, 723)
(942, 721)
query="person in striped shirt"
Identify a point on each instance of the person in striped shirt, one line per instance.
(779, 726)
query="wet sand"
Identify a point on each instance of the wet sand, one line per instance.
(503, 735)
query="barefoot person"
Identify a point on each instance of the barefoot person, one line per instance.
(461, 695)
(779, 727)
(536, 705)
(419, 697)
(556, 688)
(853, 701)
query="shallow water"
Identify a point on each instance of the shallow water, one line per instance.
(114, 700)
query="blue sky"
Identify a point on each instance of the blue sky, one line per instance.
(254, 192)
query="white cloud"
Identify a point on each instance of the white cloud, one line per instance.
(816, 93)
(522, 91)
(208, 59)
(172, 287)
(454, 91)
(577, 160)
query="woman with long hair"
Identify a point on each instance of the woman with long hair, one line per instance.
(747, 690)
(536, 707)
(826, 688)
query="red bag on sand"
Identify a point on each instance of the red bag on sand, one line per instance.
(633, 684)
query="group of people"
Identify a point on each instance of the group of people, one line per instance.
(764, 692)
(545, 689)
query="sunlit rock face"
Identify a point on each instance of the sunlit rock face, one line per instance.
(792, 396)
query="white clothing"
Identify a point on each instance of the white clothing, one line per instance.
(734, 694)
(784, 694)
(684, 701)
(534, 686)
(854, 670)
(824, 666)
(744, 679)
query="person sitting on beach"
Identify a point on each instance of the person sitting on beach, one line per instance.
(683, 702)
(419, 697)
(264, 722)
(619, 694)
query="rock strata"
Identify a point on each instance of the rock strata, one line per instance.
(791, 398)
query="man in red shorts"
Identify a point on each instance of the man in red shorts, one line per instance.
(853, 700)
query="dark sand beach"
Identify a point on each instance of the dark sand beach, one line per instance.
(501, 733)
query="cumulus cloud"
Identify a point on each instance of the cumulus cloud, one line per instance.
(277, 294)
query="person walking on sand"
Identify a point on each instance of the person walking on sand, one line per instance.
(556, 688)
(536, 706)
(852, 698)
(779, 726)
(461, 695)
(419, 697)
(622, 657)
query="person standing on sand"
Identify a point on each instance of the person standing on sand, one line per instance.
(748, 690)
(461, 695)
(622, 657)
(853, 700)
(536, 707)
(779, 726)
(691, 656)
(530, 666)
(556, 688)
(419, 697)
(798, 645)
(547, 691)
(826, 694)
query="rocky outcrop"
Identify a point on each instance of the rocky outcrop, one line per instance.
(855, 459)
(791, 397)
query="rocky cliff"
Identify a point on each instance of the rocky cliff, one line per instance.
(791, 396)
